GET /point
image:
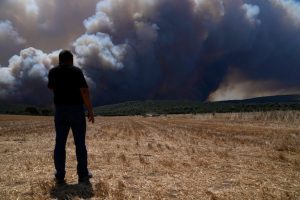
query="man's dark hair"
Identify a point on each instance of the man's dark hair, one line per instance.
(65, 56)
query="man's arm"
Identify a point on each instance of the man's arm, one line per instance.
(50, 81)
(85, 93)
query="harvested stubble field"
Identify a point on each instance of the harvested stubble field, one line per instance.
(221, 156)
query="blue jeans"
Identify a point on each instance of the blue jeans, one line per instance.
(67, 117)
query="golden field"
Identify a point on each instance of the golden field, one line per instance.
(210, 156)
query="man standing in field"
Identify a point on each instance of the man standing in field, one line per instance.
(70, 93)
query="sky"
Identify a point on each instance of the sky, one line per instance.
(203, 50)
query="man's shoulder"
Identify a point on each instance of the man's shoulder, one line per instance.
(76, 68)
(52, 70)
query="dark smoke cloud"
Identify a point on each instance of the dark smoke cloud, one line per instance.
(174, 49)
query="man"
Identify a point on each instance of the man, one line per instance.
(70, 93)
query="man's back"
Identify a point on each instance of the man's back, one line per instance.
(70, 93)
(66, 81)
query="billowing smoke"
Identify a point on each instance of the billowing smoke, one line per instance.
(9, 36)
(45, 25)
(166, 49)
(25, 77)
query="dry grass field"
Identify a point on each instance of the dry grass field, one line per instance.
(221, 156)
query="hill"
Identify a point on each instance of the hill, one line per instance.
(161, 107)
(153, 107)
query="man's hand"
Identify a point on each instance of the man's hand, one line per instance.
(87, 102)
(91, 116)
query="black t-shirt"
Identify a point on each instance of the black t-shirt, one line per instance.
(66, 81)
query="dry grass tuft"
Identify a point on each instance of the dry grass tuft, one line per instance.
(150, 146)
(119, 194)
(168, 163)
(143, 160)
(102, 189)
(123, 158)
(109, 156)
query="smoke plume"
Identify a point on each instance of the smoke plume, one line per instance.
(158, 49)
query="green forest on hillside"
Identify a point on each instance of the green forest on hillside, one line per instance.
(185, 107)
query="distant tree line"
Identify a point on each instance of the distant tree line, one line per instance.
(154, 108)
(176, 107)
(30, 110)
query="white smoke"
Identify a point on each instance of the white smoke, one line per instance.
(25, 78)
(237, 87)
(8, 33)
(10, 41)
(292, 9)
(99, 49)
(32, 7)
(100, 21)
(46, 25)
(252, 12)
(6, 82)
